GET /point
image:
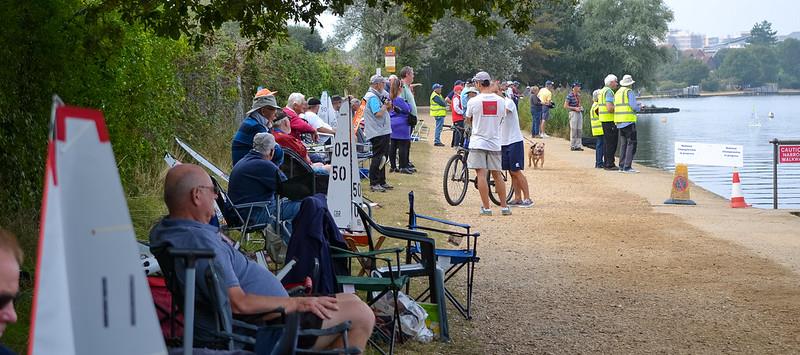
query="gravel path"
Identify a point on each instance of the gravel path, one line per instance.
(597, 266)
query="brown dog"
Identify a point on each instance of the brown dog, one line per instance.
(536, 155)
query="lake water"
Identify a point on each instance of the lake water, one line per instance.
(727, 120)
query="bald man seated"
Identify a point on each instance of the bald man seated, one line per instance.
(252, 289)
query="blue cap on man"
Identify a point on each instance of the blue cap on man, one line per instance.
(436, 86)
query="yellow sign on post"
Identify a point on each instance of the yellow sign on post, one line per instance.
(680, 187)
(389, 59)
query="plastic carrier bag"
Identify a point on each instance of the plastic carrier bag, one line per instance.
(412, 315)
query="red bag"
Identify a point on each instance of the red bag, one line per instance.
(162, 299)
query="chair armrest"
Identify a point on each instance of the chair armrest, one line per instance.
(252, 204)
(242, 324)
(191, 253)
(341, 327)
(443, 221)
(400, 232)
(238, 338)
(344, 253)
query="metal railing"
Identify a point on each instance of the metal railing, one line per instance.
(776, 143)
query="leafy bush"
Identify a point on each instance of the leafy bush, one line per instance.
(710, 84)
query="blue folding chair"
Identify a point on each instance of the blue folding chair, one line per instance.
(452, 259)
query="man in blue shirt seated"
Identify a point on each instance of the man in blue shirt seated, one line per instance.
(252, 289)
(255, 178)
(257, 120)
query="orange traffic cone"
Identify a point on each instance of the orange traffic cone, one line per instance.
(737, 199)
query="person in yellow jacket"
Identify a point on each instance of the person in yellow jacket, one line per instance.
(606, 113)
(625, 109)
(438, 112)
(597, 130)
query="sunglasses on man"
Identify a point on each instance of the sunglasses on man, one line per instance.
(215, 188)
(7, 298)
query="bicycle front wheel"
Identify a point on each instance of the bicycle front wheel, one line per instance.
(455, 180)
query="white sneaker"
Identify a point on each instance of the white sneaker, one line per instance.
(526, 203)
(505, 211)
(544, 135)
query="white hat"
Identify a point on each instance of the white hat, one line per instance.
(470, 89)
(627, 80)
(609, 79)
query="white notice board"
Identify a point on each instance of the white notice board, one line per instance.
(709, 154)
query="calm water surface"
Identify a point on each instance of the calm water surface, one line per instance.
(727, 120)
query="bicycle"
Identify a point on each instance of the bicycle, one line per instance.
(456, 176)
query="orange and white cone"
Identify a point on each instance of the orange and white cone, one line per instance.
(737, 199)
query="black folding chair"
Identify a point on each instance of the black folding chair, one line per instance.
(216, 301)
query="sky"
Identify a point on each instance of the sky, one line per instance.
(716, 18)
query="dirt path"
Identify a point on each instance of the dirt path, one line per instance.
(599, 266)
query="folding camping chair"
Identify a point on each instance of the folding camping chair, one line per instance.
(301, 181)
(240, 218)
(420, 132)
(451, 259)
(424, 263)
(381, 285)
(215, 300)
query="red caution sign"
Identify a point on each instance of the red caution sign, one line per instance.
(789, 154)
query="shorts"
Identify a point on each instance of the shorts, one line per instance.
(308, 321)
(513, 158)
(545, 114)
(269, 336)
(484, 159)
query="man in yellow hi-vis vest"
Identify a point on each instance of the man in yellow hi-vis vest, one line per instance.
(606, 113)
(597, 129)
(625, 108)
(438, 112)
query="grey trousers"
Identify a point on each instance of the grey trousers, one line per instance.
(575, 129)
(627, 145)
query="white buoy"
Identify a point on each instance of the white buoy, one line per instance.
(663, 119)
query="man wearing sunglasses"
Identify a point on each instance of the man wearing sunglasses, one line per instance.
(10, 261)
(252, 289)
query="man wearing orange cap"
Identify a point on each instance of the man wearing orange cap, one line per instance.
(257, 120)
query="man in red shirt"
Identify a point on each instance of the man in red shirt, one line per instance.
(282, 130)
(294, 107)
(458, 116)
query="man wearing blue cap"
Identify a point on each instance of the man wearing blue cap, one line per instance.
(438, 112)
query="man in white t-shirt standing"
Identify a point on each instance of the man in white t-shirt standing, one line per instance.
(513, 151)
(484, 114)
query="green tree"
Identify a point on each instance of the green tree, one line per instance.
(718, 58)
(620, 37)
(263, 20)
(310, 39)
(740, 66)
(762, 33)
(768, 67)
(788, 53)
(689, 71)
